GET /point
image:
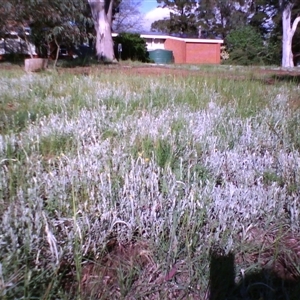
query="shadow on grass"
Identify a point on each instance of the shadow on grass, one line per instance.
(262, 284)
(282, 78)
(13, 63)
(14, 58)
(77, 62)
(85, 61)
(292, 78)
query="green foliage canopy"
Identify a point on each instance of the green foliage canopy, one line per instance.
(62, 21)
(133, 47)
(182, 18)
(246, 46)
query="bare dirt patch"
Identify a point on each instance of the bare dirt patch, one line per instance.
(270, 75)
(128, 70)
(265, 76)
(129, 271)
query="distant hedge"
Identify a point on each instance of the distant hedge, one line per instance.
(133, 47)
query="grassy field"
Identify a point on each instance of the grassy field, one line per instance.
(134, 182)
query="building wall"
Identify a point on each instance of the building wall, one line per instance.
(179, 50)
(203, 53)
(194, 53)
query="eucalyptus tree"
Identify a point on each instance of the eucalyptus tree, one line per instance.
(285, 20)
(62, 20)
(56, 20)
(2, 21)
(102, 13)
(263, 16)
(59, 22)
(289, 27)
(15, 17)
(219, 17)
(182, 18)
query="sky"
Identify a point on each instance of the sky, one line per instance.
(151, 13)
(148, 5)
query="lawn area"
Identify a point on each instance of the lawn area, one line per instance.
(136, 181)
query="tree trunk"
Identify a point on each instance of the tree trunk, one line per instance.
(102, 16)
(57, 51)
(28, 45)
(288, 32)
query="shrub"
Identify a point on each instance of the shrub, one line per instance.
(245, 46)
(133, 47)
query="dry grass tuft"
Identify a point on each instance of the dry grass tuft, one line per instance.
(128, 271)
(113, 275)
(277, 250)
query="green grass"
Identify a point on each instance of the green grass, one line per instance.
(144, 176)
(55, 145)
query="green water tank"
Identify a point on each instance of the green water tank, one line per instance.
(161, 56)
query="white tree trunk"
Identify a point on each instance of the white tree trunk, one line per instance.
(102, 23)
(288, 32)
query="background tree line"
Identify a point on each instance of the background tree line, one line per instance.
(70, 22)
(255, 31)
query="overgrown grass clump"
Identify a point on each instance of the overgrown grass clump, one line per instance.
(129, 182)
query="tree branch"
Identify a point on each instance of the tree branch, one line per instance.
(110, 11)
(294, 26)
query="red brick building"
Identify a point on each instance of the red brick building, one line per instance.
(186, 50)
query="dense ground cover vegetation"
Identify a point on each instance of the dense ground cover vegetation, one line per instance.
(127, 187)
